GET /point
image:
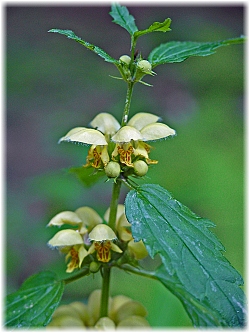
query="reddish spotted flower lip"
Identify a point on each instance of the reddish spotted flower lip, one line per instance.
(103, 236)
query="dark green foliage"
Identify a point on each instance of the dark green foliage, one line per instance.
(194, 268)
(34, 303)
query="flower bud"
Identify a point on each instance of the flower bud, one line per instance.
(144, 66)
(94, 267)
(125, 59)
(140, 168)
(113, 169)
(105, 324)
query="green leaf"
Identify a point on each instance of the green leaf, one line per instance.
(34, 303)
(201, 314)
(122, 17)
(179, 51)
(156, 26)
(87, 176)
(190, 253)
(71, 35)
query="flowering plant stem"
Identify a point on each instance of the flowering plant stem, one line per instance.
(114, 203)
(106, 270)
(105, 292)
(127, 103)
(113, 212)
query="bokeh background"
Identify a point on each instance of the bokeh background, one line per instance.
(54, 84)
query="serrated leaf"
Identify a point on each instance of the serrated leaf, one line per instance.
(122, 17)
(87, 176)
(156, 26)
(34, 303)
(71, 35)
(201, 314)
(190, 252)
(172, 52)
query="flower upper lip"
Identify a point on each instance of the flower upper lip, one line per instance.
(85, 135)
(141, 127)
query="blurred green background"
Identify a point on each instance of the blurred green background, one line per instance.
(54, 84)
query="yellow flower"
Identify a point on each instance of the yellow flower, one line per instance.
(125, 152)
(77, 254)
(103, 237)
(97, 156)
(85, 218)
(72, 242)
(104, 125)
(131, 139)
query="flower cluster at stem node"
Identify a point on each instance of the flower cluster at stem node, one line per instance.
(123, 313)
(134, 71)
(115, 149)
(90, 242)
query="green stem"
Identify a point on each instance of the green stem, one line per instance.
(114, 204)
(127, 103)
(82, 273)
(106, 270)
(139, 271)
(105, 292)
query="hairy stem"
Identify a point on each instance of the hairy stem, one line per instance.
(127, 103)
(105, 292)
(114, 204)
(106, 270)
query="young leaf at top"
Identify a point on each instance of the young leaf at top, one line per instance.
(190, 252)
(35, 301)
(156, 26)
(122, 17)
(179, 51)
(71, 35)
